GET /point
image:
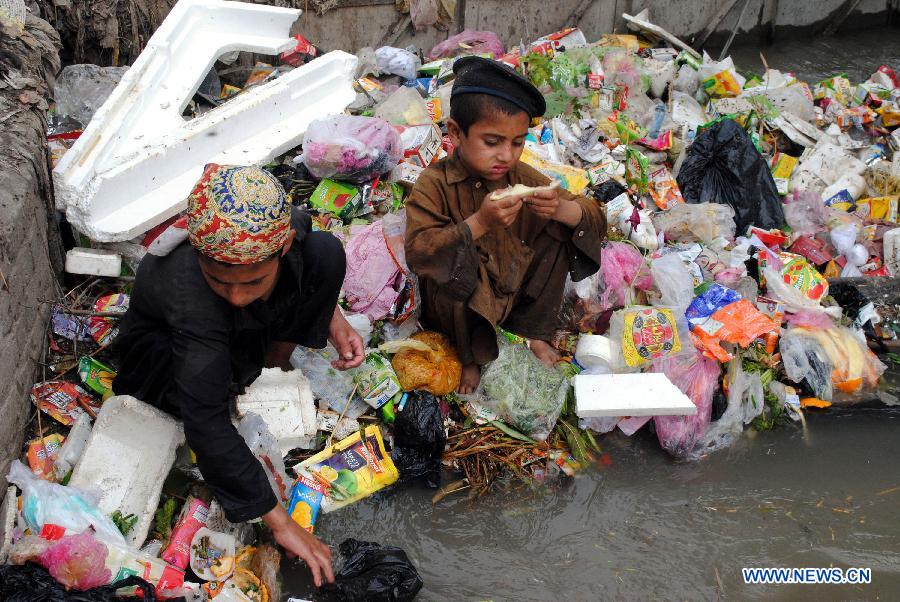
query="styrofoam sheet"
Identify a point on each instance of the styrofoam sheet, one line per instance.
(7, 522)
(647, 394)
(127, 457)
(284, 401)
(137, 160)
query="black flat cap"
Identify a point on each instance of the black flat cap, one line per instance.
(478, 75)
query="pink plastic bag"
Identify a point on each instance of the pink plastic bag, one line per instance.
(697, 377)
(371, 273)
(469, 41)
(424, 13)
(77, 561)
(351, 148)
(623, 269)
(804, 212)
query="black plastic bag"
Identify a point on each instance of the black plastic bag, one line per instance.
(32, 583)
(375, 573)
(723, 166)
(607, 191)
(419, 439)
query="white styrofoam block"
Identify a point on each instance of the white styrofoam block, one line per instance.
(284, 401)
(138, 159)
(127, 457)
(7, 522)
(93, 262)
(892, 251)
(593, 350)
(648, 394)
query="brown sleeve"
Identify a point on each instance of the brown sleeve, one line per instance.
(586, 238)
(437, 248)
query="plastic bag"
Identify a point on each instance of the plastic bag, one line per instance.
(367, 63)
(623, 270)
(639, 335)
(352, 468)
(437, 371)
(375, 573)
(264, 446)
(73, 447)
(723, 166)
(33, 583)
(804, 212)
(704, 222)
(698, 378)
(397, 61)
(82, 89)
(745, 402)
(675, 283)
(720, 79)
(372, 273)
(833, 358)
(424, 13)
(469, 41)
(351, 148)
(844, 240)
(687, 82)
(404, 106)
(60, 509)
(739, 322)
(77, 561)
(419, 439)
(523, 391)
(328, 384)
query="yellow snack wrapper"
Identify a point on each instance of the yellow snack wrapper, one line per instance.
(722, 84)
(351, 469)
(573, 179)
(782, 168)
(878, 208)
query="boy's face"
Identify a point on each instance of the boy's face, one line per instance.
(493, 144)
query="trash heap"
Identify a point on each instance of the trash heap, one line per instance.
(748, 215)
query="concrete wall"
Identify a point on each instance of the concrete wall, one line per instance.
(30, 60)
(352, 27)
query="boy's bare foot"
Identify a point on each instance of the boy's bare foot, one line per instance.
(544, 351)
(468, 382)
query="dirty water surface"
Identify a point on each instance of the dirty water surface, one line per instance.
(651, 528)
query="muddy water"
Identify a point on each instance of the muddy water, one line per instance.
(649, 528)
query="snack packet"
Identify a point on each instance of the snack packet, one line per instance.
(96, 375)
(42, 454)
(377, 382)
(305, 501)
(62, 401)
(637, 168)
(194, 515)
(664, 189)
(351, 469)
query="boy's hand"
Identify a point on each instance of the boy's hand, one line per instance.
(549, 205)
(296, 541)
(493, 215)
(346, 341)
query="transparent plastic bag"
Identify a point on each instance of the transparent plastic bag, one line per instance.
(745, 402)
(525, 392)
(804, 212)
(264, 446)
(82, 89)
(703, 222)
(698, 378)
(469, 41)
(46, 504)
(328, 384)
(397, 61)
(351, 148)
(672, 279)
(366, 63)
(404, 106)
(73, 447)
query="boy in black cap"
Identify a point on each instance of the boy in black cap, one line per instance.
(485, 263)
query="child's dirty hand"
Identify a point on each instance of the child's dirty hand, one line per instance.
(544, 203)
(498, 214)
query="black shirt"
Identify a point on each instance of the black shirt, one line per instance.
(186, 350)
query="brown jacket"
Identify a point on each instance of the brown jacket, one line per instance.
(502, 267)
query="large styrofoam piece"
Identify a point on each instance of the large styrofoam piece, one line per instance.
(7, 522)
(127, 457)
(93, 262)
(284, 401)
(136, 162)
(892, 251)
(648, 394)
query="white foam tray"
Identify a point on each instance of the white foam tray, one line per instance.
(649, 394)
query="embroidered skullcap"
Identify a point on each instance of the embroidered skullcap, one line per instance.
(238, 214)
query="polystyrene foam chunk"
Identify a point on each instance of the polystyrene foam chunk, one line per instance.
(7, 522)
(284, 401)
(138, 159)
(642, 394)
(127, 457)
(93, 262)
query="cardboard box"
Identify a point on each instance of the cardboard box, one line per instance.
(421, 143)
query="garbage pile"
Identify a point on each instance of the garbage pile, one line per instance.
(737, 205)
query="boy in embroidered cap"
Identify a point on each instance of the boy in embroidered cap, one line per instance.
(485, 263)
(204, 320)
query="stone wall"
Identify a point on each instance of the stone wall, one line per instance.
(30, 251)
